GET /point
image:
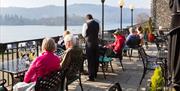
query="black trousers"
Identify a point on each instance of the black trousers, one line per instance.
(93, 61)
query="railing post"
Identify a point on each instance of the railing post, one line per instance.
(3, 47)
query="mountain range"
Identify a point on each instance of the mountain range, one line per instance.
(112, 14)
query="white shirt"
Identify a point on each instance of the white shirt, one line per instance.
(84, 29)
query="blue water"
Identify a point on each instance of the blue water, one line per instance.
(19, 33)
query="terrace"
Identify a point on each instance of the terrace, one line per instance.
(15, 57)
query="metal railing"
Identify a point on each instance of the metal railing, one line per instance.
(12, 54)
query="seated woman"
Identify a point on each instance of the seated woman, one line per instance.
(72, 58)
(118, 44)
(46, 63)
(133, 39)
(61, 41)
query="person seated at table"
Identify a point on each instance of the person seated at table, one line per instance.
(46, 63)
(118, 44)
(61, 40)
(133, 39)
(141, 35)
(72, 58)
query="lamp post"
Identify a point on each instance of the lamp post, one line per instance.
(121, 4)
(131, 7)
(102, 1)
(65, 15)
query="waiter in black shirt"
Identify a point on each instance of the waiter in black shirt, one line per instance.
(90, 33)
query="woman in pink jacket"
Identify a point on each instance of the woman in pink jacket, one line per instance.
(46, 63)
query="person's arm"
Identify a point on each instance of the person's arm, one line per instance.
(66, 60)
(111, 46)
(120, 45)
(84, 29)
(29, 74)
(128, 37)
(100, 32)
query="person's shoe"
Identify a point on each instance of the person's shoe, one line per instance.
(92, 80)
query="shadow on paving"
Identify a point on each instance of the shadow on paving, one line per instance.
(128, 79)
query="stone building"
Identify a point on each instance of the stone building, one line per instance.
(160, 13)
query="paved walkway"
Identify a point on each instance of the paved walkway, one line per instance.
(128, 79)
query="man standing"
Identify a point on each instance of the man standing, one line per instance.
(90, 32)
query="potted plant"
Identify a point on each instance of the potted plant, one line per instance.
(151, 36)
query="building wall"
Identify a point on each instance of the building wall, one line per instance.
(160, 13)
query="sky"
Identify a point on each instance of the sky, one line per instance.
(38, 3)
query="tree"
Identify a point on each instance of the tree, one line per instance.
(141, 18)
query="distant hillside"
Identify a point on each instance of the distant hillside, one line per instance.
(76, 12)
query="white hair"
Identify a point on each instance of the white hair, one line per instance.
(68, 38)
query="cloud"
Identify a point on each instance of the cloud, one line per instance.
(37, 3)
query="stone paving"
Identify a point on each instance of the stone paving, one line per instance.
(128, 79)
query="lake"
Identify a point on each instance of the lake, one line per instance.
(27, 32)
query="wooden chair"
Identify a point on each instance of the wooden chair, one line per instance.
(52, 82)
(2, 87)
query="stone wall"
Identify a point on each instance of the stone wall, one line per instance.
(161, 13)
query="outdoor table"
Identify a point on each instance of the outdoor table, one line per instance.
(16, 68)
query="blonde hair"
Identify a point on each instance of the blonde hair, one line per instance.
(131, 30)
(48, 44)
(66, 33)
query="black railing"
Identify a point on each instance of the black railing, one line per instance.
(12, 55)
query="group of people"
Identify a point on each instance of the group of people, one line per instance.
(134, 39)
(48, 61)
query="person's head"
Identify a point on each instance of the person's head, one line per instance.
(66, 33)
(68, 40)
(131, 30)
(139, 29)
(88, 17)
(48, 44)
(116, 33)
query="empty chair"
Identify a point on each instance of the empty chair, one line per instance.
(147, 63)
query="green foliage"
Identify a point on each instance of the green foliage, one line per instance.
(147, 26)
(157, 80)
